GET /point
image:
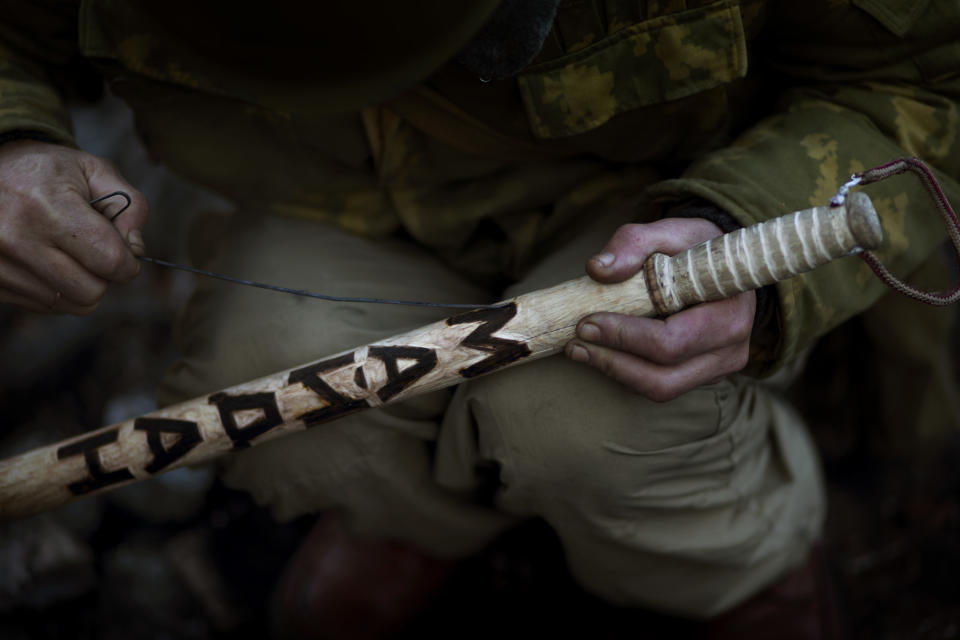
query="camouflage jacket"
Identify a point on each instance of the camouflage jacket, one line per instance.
(759, 106)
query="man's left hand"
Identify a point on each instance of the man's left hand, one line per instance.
(663, 358)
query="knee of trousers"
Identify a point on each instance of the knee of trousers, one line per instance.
(554, 425)
(232, 335)
(720, 486)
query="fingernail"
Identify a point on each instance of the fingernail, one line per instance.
(135, 240)
(589, 332)
(577, 353)
(604, 259)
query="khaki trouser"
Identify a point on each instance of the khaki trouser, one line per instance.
(689, 506)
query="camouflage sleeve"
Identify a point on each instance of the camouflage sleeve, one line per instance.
(37, 42)
(865, 86)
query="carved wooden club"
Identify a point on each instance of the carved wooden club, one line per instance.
(438, 355)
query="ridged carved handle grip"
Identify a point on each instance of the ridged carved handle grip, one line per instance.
(762, 254)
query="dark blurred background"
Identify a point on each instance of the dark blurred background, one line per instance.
(181, 557)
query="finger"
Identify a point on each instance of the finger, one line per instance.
(654, 381)
(671, 341)
(55, 306)
(92, 240)
(103, 177)
(624, 254)
(23, 302)
(21, 288)
(62, 273)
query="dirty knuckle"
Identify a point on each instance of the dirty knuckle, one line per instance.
(137, 198)
(114, 260)
(606, 368)
(741, 334)
(660, 391)
(741, 328)
(85, 310)
(740, 360)
(24, 203)
(669, 350)
(632, 233)
(604, 364)
(621, 337)
(623, 230)
(90, 298)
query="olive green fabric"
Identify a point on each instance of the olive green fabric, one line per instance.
(638, 66)
(315, 58)
(759, 107)
(36, 41)
(689, 506)
(844, 117)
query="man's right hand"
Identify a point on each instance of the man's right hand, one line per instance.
(57, 253)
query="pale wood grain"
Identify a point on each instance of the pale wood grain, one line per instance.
(438, 355)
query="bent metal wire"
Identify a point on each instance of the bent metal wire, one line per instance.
(273, 287)
(882, 172)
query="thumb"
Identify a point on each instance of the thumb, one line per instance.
(630, 245)
(623, 255)
(103, 179)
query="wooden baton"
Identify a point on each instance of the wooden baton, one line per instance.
(438, 355)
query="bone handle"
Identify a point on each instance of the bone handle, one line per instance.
(438, 355)
(762, 254)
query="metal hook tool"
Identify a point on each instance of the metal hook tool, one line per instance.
(121, 194)
(272, 287)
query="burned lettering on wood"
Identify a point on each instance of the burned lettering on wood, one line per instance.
(337, 403)
(228, 406)
(188, 437)
(502, 350)
(397, 381)
(360, 378)
(89, 447)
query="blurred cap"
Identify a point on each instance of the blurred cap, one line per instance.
(347, 53)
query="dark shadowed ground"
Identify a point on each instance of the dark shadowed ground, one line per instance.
(181, 557)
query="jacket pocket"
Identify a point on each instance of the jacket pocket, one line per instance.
(657, 60)
(896, 15)
(910, 20)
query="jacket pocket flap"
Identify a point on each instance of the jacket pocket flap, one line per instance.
(666, 58)
(896, 15)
